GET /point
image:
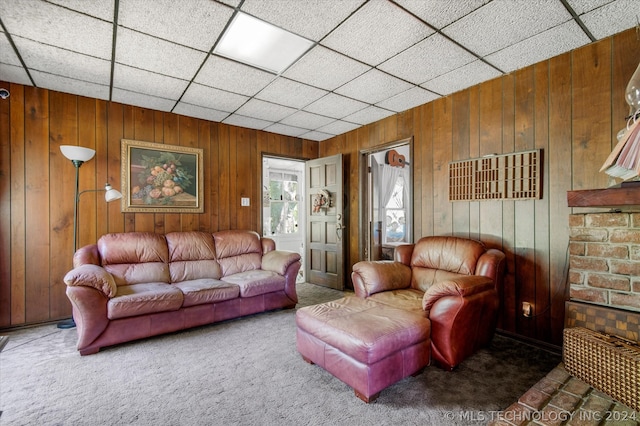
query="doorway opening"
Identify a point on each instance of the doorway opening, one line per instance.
(283, 207)
(387, 216)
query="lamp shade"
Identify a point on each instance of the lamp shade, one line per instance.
(111, 194)
(77, 153)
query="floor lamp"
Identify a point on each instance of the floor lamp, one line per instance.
(78, 156)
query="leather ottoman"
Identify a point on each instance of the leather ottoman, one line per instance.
(367, 345)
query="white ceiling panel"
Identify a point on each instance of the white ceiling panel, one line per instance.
(501, 23)
(335, 69)
(200, 112)
(210, 97)
(376, 32)
(225, 74)
(373, 58)
(153, 54)
(309, 19)
(141, 100)
(408, 99)
(290, 93)
(148, 83)
(469, 75)
(335, 106)
(192, 23)
(373, 86)
(550, 43)
(428, 59)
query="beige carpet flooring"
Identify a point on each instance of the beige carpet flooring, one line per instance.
(242, 372)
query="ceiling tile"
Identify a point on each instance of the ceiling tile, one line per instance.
(376, 32)
(373, 86)
(200, 112)
(316, 136)
(210, 97)
(144, 101)
(368, 115)
(265, 110)
(283, 129)
(612, 18)
(310, 19)
(159, 56)
(335, 106)
(193, 23)
(14, 74)
(428, 59)
(57, 26)
(148, 83)
(248, 122)
(306, 120)
(545, 45)
(584, 6)
(461, 78)
(69, 85)
(502, 23)
(7, 54)
(338, 127)
(290, 93)
(53, 60)
(407, 100)
(225, 74)
(440, 13)
(326, 69)
(103, 9)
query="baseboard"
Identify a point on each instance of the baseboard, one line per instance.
(554, 349)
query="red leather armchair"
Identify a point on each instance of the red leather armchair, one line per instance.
(453, 281)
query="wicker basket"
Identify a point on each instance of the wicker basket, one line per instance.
(608, 363)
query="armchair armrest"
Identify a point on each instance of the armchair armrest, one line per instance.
(463, 286)
(371, 277)
(92, 276)
(279, 261)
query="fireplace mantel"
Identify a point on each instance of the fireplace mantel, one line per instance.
(626, 196)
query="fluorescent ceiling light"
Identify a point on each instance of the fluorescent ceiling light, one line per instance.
(255, 42)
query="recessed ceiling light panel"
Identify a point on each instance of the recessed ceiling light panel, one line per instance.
(257, 43)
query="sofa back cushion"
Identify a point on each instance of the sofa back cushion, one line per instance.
(192, 256)
(135, 257)
(238, 251)
(435, 259)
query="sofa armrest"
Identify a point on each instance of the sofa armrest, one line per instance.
(462, 286)
(370, 277)
(278, 261)
(92, 276)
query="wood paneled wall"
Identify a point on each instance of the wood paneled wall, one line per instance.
(37, 186)
(571, 107)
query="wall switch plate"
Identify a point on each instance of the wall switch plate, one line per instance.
(244, 201)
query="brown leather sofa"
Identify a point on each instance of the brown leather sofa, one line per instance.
(436, 302)
(454, 281)
(134, 285)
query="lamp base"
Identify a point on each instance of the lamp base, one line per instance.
(70, 323)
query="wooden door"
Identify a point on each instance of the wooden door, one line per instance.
(325, 229)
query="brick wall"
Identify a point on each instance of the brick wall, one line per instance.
(604, 259)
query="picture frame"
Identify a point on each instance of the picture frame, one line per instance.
(161, 178)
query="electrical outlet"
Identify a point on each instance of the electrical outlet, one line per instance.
(244, 201)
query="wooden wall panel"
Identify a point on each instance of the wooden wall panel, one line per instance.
(5, 210)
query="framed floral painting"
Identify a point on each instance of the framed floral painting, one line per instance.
(161, 178)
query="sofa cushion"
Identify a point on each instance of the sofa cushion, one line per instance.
(206, 290)
(451, 254)
(139, 299)
(192, 255)
(408, 299)
(135, 257)
(255, 283)
(238, 251)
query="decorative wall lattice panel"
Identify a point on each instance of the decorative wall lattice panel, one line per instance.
(497, 177)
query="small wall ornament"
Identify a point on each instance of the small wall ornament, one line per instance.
(320, 200)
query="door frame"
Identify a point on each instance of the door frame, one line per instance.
(364, 183)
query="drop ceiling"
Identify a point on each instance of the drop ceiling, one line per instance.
(369, 59)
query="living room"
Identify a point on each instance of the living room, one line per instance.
(570, 106)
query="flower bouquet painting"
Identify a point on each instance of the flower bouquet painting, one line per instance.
(161, 178)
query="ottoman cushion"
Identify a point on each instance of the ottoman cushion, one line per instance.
(363, 329)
